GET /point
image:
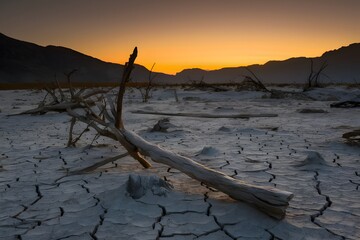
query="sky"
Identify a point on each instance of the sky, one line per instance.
(180, 34)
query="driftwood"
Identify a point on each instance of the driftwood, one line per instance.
(271, 200)
(206, 115)
(346, 104)
(109, 124)
(353, 136)
(62, 100)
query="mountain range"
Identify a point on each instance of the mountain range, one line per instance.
(25, 62)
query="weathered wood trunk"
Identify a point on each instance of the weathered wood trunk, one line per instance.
(271, 200)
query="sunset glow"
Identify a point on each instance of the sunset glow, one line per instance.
(186, 34)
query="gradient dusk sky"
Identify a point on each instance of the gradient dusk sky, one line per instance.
(178, 34)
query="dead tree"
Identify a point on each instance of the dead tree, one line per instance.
(277, 94)
(146, 91)
(256, 82)
(204, 86)
(314, 76)
(62, 100)
(106, 119)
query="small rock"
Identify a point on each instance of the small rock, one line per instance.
(162, 125)
(191, 99)
(138, 186)
(224, 129)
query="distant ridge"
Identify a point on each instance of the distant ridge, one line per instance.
(343, 67)
(24, 62)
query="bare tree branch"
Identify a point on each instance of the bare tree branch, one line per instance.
(99, 164)
(68, 76)
(125, 78)
(257, 82)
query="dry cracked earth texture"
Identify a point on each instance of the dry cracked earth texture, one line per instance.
(301, 153)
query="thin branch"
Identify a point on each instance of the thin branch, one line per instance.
(99, 164)
(310, 77)
(79, 136)
(112, 106)
(97, 135)
(95, 92)
(92, 124)
(70, 141)
(62, 96)
(258, 81)
(206, 115)
(68, 76)
(52, 93)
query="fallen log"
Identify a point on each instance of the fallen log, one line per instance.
(205, 115)
(270, 200)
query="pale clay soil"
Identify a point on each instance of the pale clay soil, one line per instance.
(39, 201)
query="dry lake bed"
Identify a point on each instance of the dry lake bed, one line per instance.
(300, 151)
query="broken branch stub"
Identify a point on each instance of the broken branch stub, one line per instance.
(125, 78)
(270, 200)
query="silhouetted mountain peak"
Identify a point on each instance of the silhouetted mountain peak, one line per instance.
(349, 51)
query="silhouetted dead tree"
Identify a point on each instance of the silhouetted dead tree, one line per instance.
(146, 91)
(106, 119)
(256, 82)
(277, 94)
(204, 86)
(314, 76)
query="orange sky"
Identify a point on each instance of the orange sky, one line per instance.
(182, 34)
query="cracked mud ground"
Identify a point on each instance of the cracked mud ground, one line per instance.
(301, 153)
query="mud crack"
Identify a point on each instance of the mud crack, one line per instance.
(273, 237)
(226, 164)
(355, 183)
(323, 208)
(101, 221)
(208, 213)
(158, 220)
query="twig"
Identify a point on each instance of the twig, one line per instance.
(98, 164)
(206, 115)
